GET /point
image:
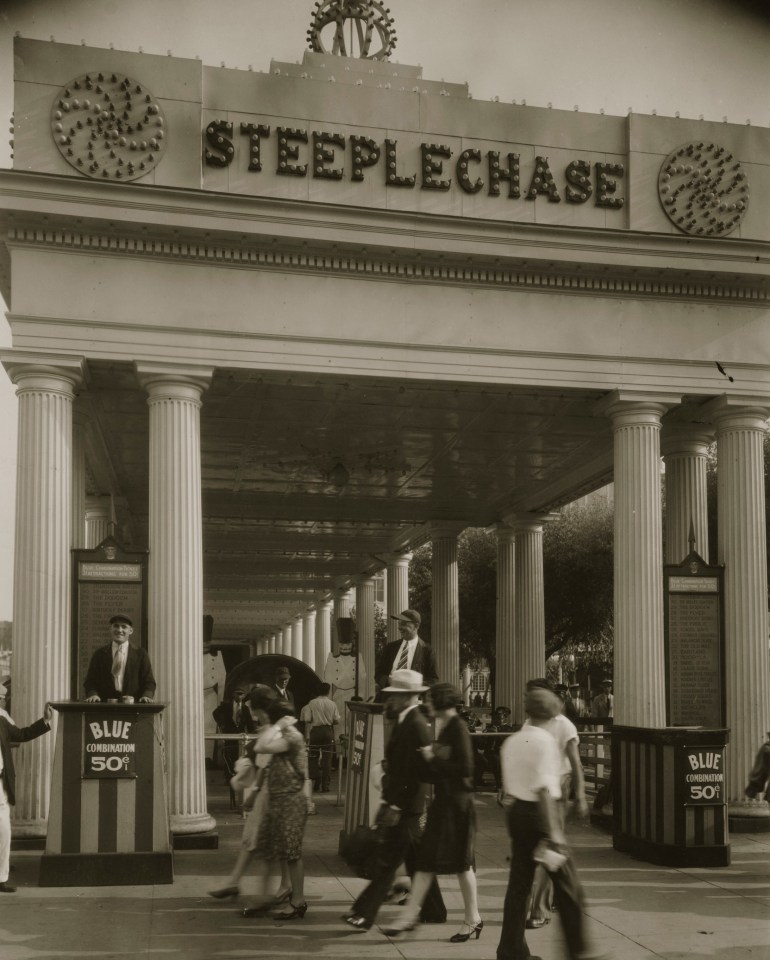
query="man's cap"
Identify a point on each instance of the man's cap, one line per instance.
(407, 616)
(283, 672)
(560, 688)
(122, 618)
(574, 686)
(606, 682)
(541, 704)
(405, 681)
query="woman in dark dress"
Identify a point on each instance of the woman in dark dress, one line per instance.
(447, 845)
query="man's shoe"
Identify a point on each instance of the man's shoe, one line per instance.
(359, 924)
(7, 887)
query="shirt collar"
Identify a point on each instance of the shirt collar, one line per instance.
(412, 706)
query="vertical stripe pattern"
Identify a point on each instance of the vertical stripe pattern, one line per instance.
(445, 608)
(506, 683)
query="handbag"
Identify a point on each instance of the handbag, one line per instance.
(361, 848)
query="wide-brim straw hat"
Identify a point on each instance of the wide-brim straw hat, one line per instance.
(405, 681)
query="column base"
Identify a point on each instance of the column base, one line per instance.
(184, 824)
(748, 816)
(29, 829)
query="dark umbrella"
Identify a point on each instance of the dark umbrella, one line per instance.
(304, 683)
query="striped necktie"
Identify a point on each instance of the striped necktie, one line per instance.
(116, 663)
(403, 658)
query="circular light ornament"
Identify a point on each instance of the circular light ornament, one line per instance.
(352, 28)
(108, 126)
(703, 189)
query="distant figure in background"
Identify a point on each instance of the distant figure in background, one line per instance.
(118, 669)
(602, 704)
(280, 685)
(340, 672)
(213, 670)
(499, 723)
(569, 708)
(321, 718)
(576, 696)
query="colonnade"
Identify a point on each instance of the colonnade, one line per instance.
(51, 515)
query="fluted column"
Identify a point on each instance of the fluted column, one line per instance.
(288, 630)
(505, 622)
(271, 644)
(98, 520)
(308, 637)
(78, 537)
(296, 637)
(175, 588)
(685, 451)
(467, 679)
(365, 631)
(445, 606)
(639, 663)
(743, 551)
(343, 603)
(42, 569)
(529, 609)
(396, 589)
(323, 633)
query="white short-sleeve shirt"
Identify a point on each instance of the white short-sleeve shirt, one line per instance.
(563, 730)
(530, 761)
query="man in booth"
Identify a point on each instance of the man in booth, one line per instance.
(409, 652)
(119, 670)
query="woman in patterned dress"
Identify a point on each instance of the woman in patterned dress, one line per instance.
(282, 826)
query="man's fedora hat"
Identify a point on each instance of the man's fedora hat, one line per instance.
(407, 616)
(121, 618)
(405, 681)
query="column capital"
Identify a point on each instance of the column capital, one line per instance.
(628, 408)
(173, 381)
(685, 439)
(325, 601)
(36, 371)
(504, 532)
(400, 558)
(446, 530)
(529, 522)
(343, 585)
(738, 412)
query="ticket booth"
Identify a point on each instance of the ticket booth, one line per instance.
(108, 820)
(670, 802)
(366, 748)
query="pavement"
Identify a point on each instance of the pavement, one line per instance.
(636, 911)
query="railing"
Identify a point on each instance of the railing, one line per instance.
(595, 753)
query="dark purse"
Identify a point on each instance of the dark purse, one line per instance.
(361, 849)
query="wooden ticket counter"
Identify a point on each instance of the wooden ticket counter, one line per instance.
(108, 821)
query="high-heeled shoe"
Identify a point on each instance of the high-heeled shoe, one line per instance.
(535, 923)
(280, 898)
(222, 893)
(297, 912)
(258, 910)
(398, 928)
(468, 930)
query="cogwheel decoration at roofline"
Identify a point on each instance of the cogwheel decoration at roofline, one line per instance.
(352, 28)
(703, 189)
(108, 126)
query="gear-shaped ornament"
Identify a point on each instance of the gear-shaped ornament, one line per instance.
(352, 28)
(703, 189)
(109, 126)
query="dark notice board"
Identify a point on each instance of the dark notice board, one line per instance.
(693, 595)
(106, 580)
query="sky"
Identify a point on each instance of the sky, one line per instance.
(697, 57)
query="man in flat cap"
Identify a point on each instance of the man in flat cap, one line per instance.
(407, 653)
(119, 670)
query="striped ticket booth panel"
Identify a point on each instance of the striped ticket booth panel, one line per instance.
(669, 795)
(108, 818)
(366, 748)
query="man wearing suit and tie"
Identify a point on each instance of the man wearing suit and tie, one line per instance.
(118, 670)
(404, 794)
(409, 652)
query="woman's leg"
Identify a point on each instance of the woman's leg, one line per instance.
(296, 871)
(285, 886)
(467, 881)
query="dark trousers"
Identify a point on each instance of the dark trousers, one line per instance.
(320, 742)
(399, 846)
(526, 830)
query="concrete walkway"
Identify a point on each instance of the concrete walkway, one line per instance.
(637, 911)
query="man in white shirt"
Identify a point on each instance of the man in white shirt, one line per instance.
(320, 716)
(531, 772)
